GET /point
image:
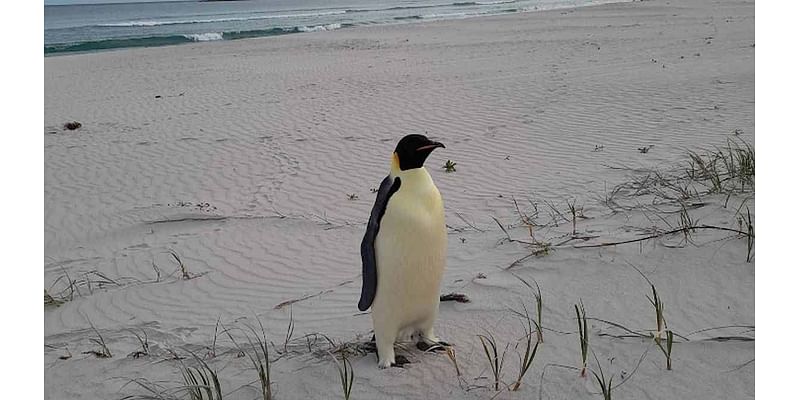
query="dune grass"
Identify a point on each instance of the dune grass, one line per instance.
(746, 224)
(667, 350)
(661, 326)
(258, 354)
(212, 350)
(583, 334)
(658, 307)
(64, 288)
(537, 295)
(102, 351)
(202, 382)
(346, 374)
(50, 301)
(289, 331)
(197, 383)
(575, 212)
(686, 223)
(605, 385)
(526, 360)
(143, 342)
(496, 360)
(728, 168)
(184, 271)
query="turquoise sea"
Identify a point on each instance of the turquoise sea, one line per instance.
(92, 27)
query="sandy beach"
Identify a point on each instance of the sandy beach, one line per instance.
(215, 185)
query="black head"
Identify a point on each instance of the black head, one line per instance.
(412, 151)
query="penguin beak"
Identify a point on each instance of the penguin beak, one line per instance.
(432, 145)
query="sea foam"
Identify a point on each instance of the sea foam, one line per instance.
(317, 28)
(204, 37)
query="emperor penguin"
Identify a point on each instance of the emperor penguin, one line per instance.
(404, 250)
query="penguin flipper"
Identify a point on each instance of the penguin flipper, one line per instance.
(369, 267)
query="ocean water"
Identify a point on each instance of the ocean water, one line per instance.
(92, 27)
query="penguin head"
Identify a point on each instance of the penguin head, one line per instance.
(412, 150)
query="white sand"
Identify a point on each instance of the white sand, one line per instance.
(275, 133)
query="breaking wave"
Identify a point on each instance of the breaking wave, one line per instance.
(213, 20)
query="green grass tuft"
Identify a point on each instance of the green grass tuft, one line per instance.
(667, 350)
(258, 353)
(496, 361)
(605, 385)
(346, 374)
(526, 360)
(661, 323)
(583, 333)
(201, 383)
(102, 351)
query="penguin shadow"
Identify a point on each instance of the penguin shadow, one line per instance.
(400, 361)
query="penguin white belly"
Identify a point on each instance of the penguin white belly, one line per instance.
(411, 251)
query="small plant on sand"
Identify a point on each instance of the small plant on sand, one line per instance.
(537, 295)
(667, 350)
(145, 351)
(704, 167)
(733, 164)
(745, 222)
(198, 383)
(544, 249)
(50, 301)
(583, 334)
(661, 323)
(449, 166)
(212, 350)
(496, 361)
(575, 212)
(526, 360)
(259, 357)
(739, 162)
(289, 330)
(346, 375)
(201, 382)
(102, 351)
(686, 223)
(751, 236)
(605, 386)
(352, 196)
(184, 272)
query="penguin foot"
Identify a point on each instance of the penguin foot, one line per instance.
(369, 347)
(400, 361)
(437, 346)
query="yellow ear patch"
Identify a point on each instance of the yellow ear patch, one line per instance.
(395, 164)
